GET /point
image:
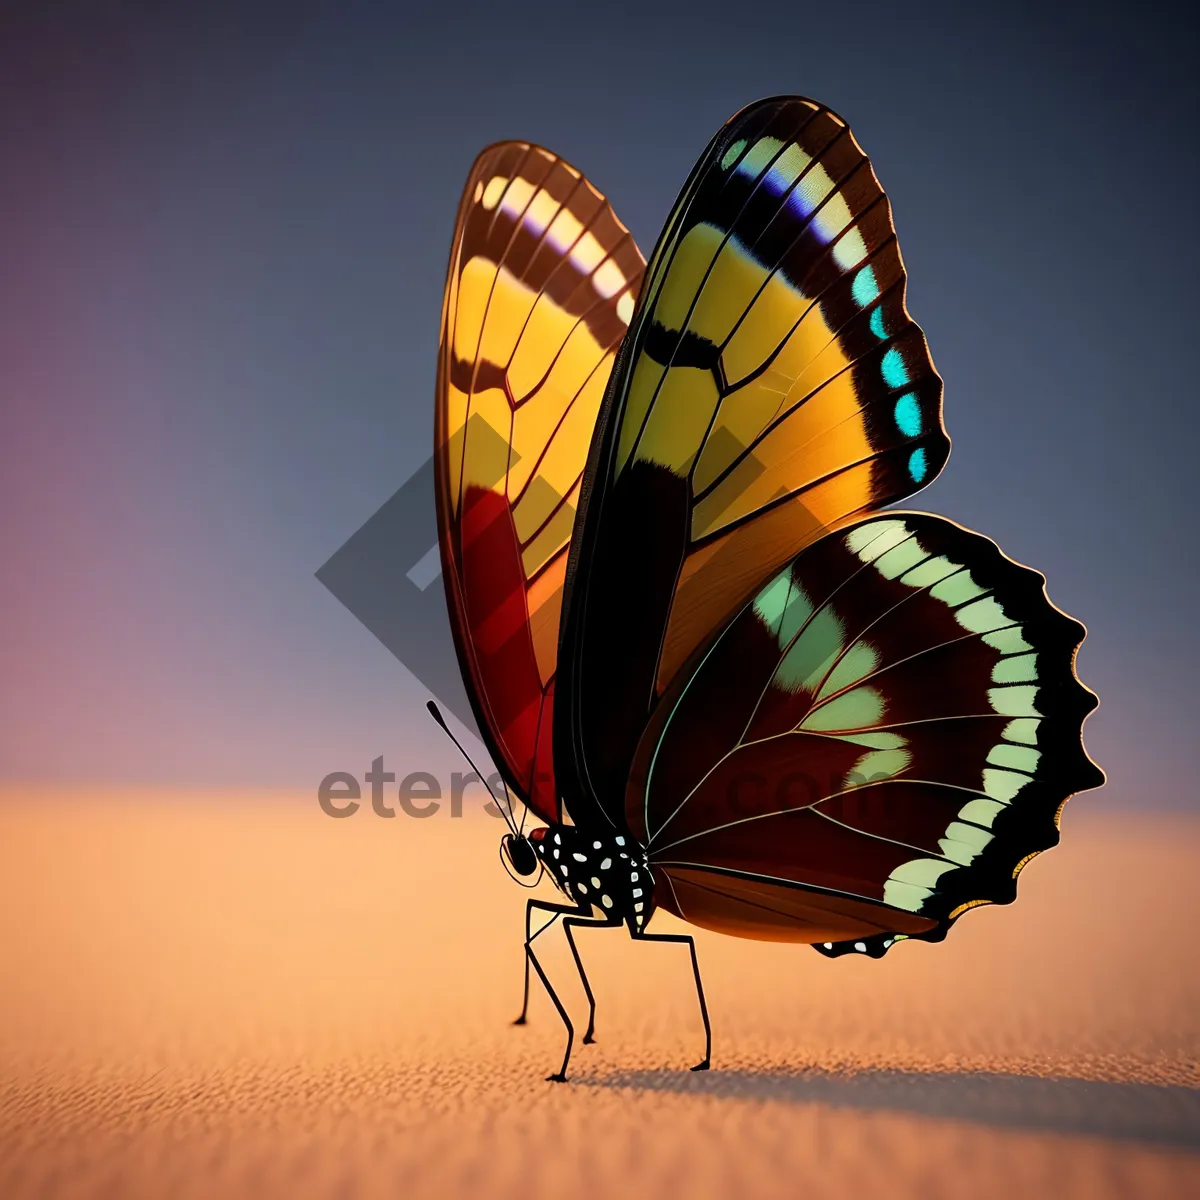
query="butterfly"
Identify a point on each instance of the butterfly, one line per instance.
(728, 679)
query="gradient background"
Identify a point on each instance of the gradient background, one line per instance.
(223, 236)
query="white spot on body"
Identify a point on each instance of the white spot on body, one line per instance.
(582, 887)
(604, 866)
(579, 857)
(606, 901)
(595, 882)
(860, 947)
(620, 841)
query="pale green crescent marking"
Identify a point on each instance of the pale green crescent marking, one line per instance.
(770, 602)
(981, 615)
(964, 843)
(1007, 641)
(981, 812)
(931, 571)
(908, 896)
(1022, 730)
(859, 661)
(857, 709)
(894, 562)
(1003, 785)
(1020, 669)
(870, 541)
(812, 654)
(783, 607)
(957, 589)
(912, 882)
(876, 765)
(1020, 758)
(1014, 701)
(799, 609)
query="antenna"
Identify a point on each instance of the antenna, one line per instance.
(436, 714)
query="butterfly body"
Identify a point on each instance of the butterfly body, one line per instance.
(608, 875)
(701, 647)
(609, 881)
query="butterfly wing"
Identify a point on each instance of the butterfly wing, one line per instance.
(772, 385)
(540, 289)
(880, 739)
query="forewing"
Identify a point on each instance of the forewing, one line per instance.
(880, 739)
(540, 290)
(771, 387)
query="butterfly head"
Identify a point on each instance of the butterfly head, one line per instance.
(519, 853)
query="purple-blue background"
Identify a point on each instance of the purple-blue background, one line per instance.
(222, 246)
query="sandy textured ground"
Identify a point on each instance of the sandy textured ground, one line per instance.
(237, 996)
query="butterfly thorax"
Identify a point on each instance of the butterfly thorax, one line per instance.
(607, 873)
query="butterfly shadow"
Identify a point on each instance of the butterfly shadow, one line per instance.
(1162, 1115)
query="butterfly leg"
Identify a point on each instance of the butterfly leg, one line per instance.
(529, 938)
(691, 945)
(558, 910)
(561, 1076)
(574, 923)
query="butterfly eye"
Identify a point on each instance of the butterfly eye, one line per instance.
(520, 854)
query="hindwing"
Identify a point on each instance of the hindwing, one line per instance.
(880, 739)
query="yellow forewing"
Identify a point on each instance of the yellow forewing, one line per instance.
(540, 290)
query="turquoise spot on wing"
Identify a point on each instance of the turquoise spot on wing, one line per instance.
(918, 464)
(864, 289)
(895, 373)
(877, 326)
(908, 415)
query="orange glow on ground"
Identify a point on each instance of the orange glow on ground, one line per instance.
(234, 995)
